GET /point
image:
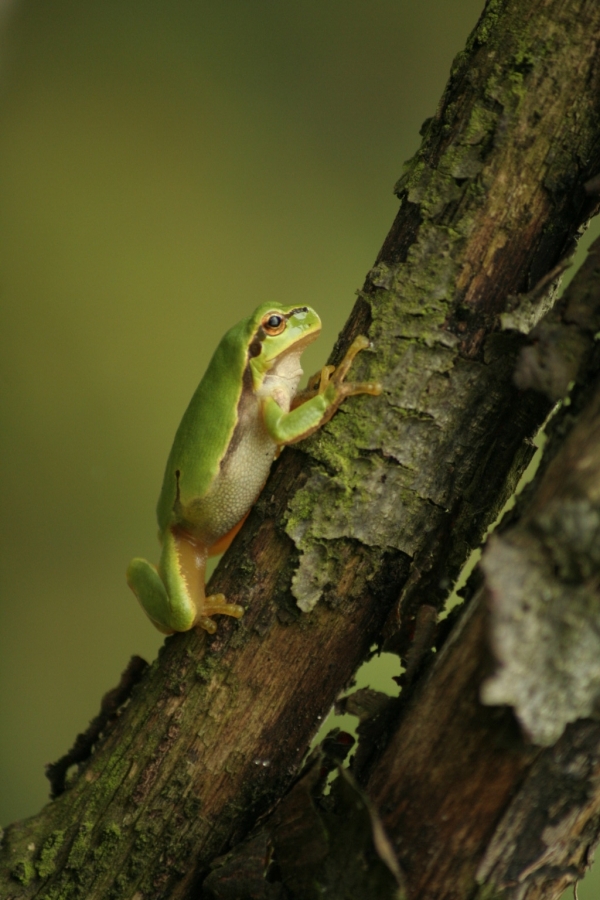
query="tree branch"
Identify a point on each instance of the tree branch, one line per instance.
(468, 798)
(376, 512)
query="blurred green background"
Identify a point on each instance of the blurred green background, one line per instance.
(164, 168)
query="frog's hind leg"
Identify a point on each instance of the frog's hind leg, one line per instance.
(191, 566)
(149, 588)
(172, 594)
(164, 591)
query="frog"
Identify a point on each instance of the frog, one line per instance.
(246, 408)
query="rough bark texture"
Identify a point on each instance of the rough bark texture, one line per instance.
(372, 515)
(474, 805)
(473, 810)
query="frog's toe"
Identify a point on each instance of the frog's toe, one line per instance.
(217, 604)
(350, 389)
(207, 624)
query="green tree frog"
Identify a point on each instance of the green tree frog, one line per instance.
(245, 409)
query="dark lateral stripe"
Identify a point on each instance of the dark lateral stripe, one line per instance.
(296, 310)
(255, 346)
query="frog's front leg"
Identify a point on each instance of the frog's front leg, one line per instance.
(173, 593)
(316, 405)
(334, 377)
(315, 386)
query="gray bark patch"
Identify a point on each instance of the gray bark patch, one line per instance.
(545, 636)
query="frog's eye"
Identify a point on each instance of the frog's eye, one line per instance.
(273, 323)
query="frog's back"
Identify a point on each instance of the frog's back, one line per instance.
(207, 426)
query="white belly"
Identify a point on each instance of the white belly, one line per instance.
(243, 473)
(246, 464)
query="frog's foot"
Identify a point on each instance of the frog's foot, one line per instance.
(336, 376)
(316, 385)
(216, 604)
(330, 375)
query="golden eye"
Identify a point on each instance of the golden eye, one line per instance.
(273, 323)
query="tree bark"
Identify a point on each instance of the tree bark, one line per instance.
(475, 805)
(376, 513)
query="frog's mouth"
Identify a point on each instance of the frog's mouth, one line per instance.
(275, 361)
(287, 364)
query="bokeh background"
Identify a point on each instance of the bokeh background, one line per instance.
(164, 168)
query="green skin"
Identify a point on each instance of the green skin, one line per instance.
(243, 411)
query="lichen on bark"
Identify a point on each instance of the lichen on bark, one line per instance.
(543, 573)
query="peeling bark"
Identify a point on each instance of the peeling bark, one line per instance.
(374, 514)
(468, 798)
(543, 575)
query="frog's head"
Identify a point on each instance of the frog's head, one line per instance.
(279, 331)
